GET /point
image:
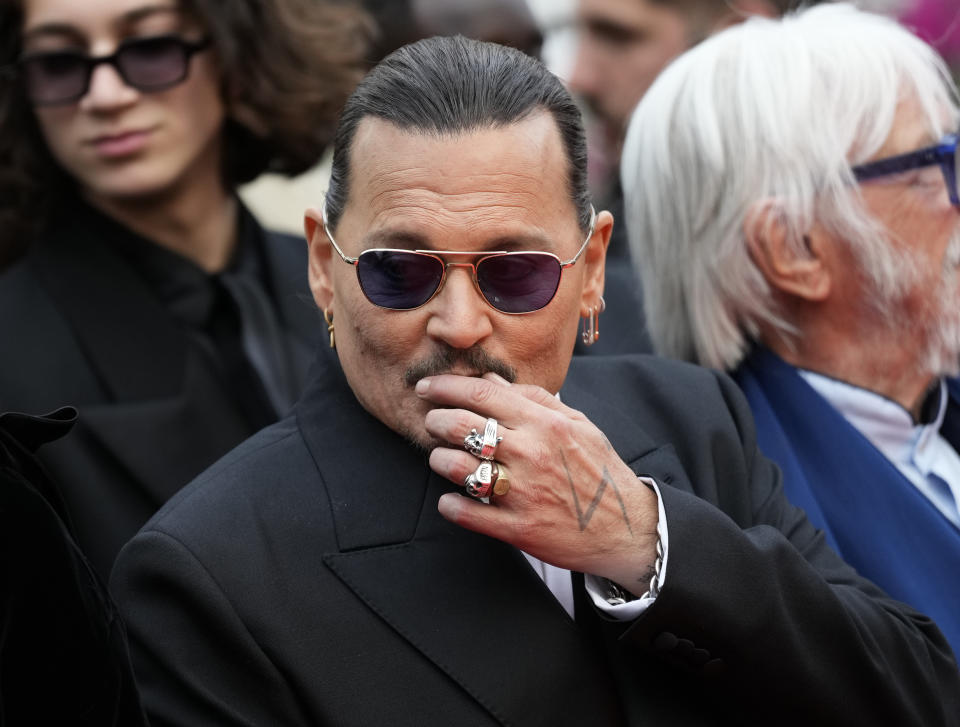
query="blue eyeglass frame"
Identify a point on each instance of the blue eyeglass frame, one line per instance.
(943, 154)
(564, 264)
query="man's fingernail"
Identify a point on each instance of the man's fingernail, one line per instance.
(423, 386)
(449, 505)
(496, 377)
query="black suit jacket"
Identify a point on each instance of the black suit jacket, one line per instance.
(81, 328)
(63, 650)
(307, 579)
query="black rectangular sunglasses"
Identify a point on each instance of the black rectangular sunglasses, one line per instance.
(152, 63)
(510, 282)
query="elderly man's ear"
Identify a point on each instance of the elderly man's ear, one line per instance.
(320, 253)
(794, 264)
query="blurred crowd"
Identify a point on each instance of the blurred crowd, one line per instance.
(551, 30)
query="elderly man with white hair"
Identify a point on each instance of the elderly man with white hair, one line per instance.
(792, 200)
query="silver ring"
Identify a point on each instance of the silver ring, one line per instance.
(481, 481)
(483, 447)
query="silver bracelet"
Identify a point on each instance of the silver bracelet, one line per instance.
(617, 595)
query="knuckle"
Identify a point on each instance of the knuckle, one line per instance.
(481, 391)
(560, 429)
(577, 415)
(464, 422)
(539, 395)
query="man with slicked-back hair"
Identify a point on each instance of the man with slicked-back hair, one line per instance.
(459, 526)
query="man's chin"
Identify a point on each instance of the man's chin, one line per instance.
(422, 440)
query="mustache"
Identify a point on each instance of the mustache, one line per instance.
(445, 359)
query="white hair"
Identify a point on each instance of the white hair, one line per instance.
(775, 111)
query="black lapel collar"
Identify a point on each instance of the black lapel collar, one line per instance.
(131, 342)
(469, 603)
(155, 395)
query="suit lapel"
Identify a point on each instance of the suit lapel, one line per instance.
(154, 394)
(468, 603)
(130, 341)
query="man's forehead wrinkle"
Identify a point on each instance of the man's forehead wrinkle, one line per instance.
(437, 181)
(431, 201)
(404, 217)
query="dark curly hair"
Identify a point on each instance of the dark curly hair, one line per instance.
(287, 68)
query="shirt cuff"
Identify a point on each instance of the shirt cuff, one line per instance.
(596, 586)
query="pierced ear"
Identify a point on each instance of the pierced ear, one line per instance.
(594, 261)
(319, 256)
(795, 267)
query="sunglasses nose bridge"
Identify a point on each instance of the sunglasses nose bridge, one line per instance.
(94, 82)
(472, 272)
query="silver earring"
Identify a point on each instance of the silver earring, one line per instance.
(590, 330)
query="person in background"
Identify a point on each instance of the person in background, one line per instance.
(622, 45)
(146, 295)
(458, 525)
(508, 22)
(791, 191)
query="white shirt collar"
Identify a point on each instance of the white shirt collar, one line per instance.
(886, 424)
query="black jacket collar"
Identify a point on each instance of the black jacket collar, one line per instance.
(449, 592)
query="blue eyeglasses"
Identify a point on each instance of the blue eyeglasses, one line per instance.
(943, 154)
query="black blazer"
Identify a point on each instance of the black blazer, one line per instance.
(80, 327)
(307, 579)
(63, 649)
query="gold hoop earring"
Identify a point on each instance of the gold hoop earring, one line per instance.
(590, 330)
(328, 317)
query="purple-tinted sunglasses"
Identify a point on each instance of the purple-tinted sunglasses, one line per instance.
(511, 282)
(148, 64)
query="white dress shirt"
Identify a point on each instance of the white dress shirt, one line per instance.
(919, 451)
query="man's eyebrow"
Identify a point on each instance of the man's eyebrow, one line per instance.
(611, 29)
(409, 240)
(394, 238)
(58, 28)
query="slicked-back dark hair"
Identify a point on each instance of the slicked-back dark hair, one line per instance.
(454, 85)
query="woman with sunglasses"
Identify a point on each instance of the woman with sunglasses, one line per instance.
(143, 292)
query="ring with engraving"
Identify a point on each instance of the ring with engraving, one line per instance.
(483, 480)
(484, 447)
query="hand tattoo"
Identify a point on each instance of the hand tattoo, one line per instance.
(583, 518)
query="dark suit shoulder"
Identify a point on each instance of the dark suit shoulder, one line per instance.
(642, 369)
(270, 475)
(673, 397)
(42, 367)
